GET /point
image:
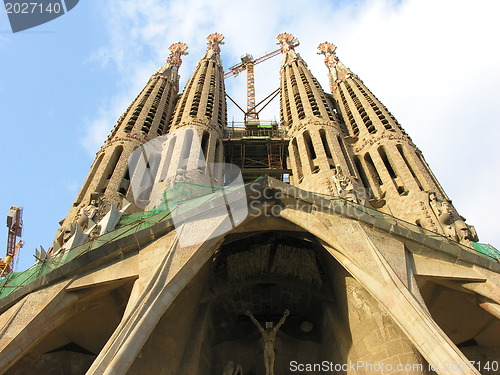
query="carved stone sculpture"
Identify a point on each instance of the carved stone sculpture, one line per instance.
(453, 225)
(345, 187)
(268, 339)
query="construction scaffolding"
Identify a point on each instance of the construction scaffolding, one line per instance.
(259, 149)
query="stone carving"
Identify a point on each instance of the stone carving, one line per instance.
(268, 339)
(338, 71)
(370, 140)
(328, 49)
(232, 369)
(214, 41)
(177, 50)
(89, 214)
(344, 184)
(452, 224)
(296, 127)
(127, 138)
(288, 42)
(429, 222)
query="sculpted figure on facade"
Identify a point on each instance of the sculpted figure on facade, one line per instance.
(268, 339)
(452, 224)
(344, 185)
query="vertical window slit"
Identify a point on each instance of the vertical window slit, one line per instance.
(90, 177)
(364, 177)
(110, 169)
(322, 134)
(372, 170)
(296, 157)
(204, 144)
(309, 145)
(168, 158)
(405, 159)
(346, 155)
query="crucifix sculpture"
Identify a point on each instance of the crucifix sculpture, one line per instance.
(268, 339)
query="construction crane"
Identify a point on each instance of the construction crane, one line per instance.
(15, 227)
(248, 63)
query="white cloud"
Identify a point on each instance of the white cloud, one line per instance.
(434, 63)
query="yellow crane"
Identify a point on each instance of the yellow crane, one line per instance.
(15, 227)
(248, 63)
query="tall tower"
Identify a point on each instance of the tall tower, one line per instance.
(146, 118)
(195, 144)
(390, 166)
(320, 158)
(333, 271)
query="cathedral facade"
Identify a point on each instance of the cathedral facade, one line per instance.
(319, 244)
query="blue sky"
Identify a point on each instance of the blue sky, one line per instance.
(63, 85)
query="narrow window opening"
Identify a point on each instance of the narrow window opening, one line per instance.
(186, 149)
(204, 144)
(296, 157)
(309, 145)
(405, 159)
(322, 134)
(168, 158)
(125, 183)
(110, 168)
(346, 155)
(372, 170)
(392, 171)
(90, 177)
(364, 177)
(387, 163)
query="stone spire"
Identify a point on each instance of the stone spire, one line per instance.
(203, 100)
(319, 156)
(336, 68)
(146, 118)
(177, 50)
(195, 144)
(301, 94)
(389, 164)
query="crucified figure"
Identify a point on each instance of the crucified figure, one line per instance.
(268, 337)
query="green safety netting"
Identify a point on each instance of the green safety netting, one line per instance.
(19, 279)
(487, 249)
(181, 197)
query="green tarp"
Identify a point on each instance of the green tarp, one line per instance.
(487, 249)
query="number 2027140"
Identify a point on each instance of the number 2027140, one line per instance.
(30, 8)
